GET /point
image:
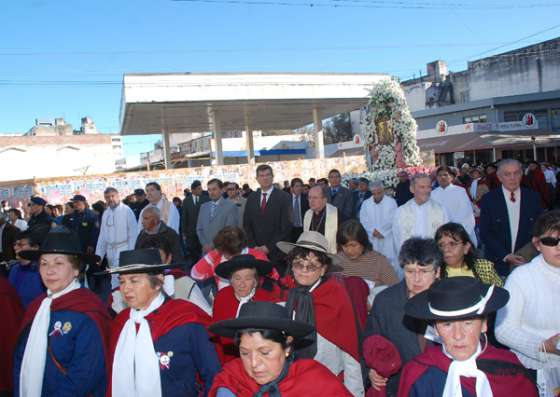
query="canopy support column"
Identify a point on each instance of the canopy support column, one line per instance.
(319, 140)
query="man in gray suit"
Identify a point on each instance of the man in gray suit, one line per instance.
(340, 197)
(214, 215)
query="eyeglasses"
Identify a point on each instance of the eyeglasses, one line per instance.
(420, 272)
(452, 245)
(300, 267)
(550, 241)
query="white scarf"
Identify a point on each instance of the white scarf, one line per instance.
(468, 369)
(35, 355)
(244, 300)
(136, 365)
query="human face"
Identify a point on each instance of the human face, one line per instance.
(13, 217)
(265, 178)
(378, 194)
(297, 188)
(22, 245)
(419, 278)
(353, 249)
(334, 179)
(308, 270)
(68, 209)
(243, 281)
(316, 200)
(79, 206)
(112, 199)
(197, 191)
(56, 271)
(421, 189)
(232, 191)
(461, 337)
(444, 178)
(263, 359)
(510, 175)
(137, 291)
(551, 254)
(214, 191)
(453, 250)
(36, 209)
(149, 221)
(153, 194)
(363, 187)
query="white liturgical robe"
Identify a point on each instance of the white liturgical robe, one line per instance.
(379, 216)
(117, 233)
(458, 206)
(169, 214)
(413, 220)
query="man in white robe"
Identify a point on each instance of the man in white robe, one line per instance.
(455, 200)
(169, 213)
(376, 216)
(420, 216)
(118, 230)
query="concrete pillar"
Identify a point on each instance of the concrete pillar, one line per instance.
(494, 154)
(319, 140)
(166, 150)
(218, 158)
(249, 145)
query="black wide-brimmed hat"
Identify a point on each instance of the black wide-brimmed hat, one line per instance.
(226, 269)
(456, 298)
(61, 242)
(145, 260)
(262, 315)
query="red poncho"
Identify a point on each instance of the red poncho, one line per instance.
(305, 378)
(11, 313)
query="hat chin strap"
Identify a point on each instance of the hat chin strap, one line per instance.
(475, 309)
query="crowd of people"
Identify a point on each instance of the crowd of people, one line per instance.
(446, 285)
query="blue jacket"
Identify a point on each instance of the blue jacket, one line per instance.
(86, 225)
(431, 384)
(77, 345)
(494, 225)
(27, 282)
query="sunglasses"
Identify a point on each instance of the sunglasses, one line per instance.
(550, 241)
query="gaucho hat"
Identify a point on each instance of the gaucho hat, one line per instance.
(262, 315)
(456, 298)
(61, 242)
(226, 269)
(145, 260)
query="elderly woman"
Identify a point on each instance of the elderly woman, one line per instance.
(243, 273)
(65, 333)
(530, 323)
(229, 242)
(265, 335)
(159, 346)
(421, 261)
(465, 364)
(324, 303)
(459, 256)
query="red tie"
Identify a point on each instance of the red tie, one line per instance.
(263, 202)
(512, 197)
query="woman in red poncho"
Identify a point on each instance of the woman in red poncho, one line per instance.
(243, 273)
(465, 365)
(265, 334)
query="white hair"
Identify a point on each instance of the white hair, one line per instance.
(152, 209)
(506, 162)
(377, 184)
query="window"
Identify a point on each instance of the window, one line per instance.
(541, 115)
(479, 118)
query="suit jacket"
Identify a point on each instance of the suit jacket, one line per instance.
(344, 201)
(225, 214)
(387, 319)
(274, 225)
(8, 239)
(303, 205)
(358, 203)
(494, 225)
(189, 215)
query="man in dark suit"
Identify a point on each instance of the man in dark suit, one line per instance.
(300, 205)
(268, 218)
(340, 196)
(507, 216)
(189, 218)
(8, 233)
(361, 195)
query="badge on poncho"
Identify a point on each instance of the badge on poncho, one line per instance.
(164, 359)
(57, 329)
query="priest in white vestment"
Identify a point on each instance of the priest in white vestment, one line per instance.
(376, 216)
(118, 230)
(455, 200)
(169, 213)
(420, 216)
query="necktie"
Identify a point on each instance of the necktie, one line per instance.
(212, 211)
(297, 213)
(512, 197)
(263, 202)
(195, 200)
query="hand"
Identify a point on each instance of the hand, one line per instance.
(377, 381)
(376, 234)
(550, 344)
(515, 260)
(263, 249)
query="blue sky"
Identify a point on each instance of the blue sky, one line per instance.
(67, 58)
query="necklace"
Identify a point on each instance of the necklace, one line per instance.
(315, 226)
